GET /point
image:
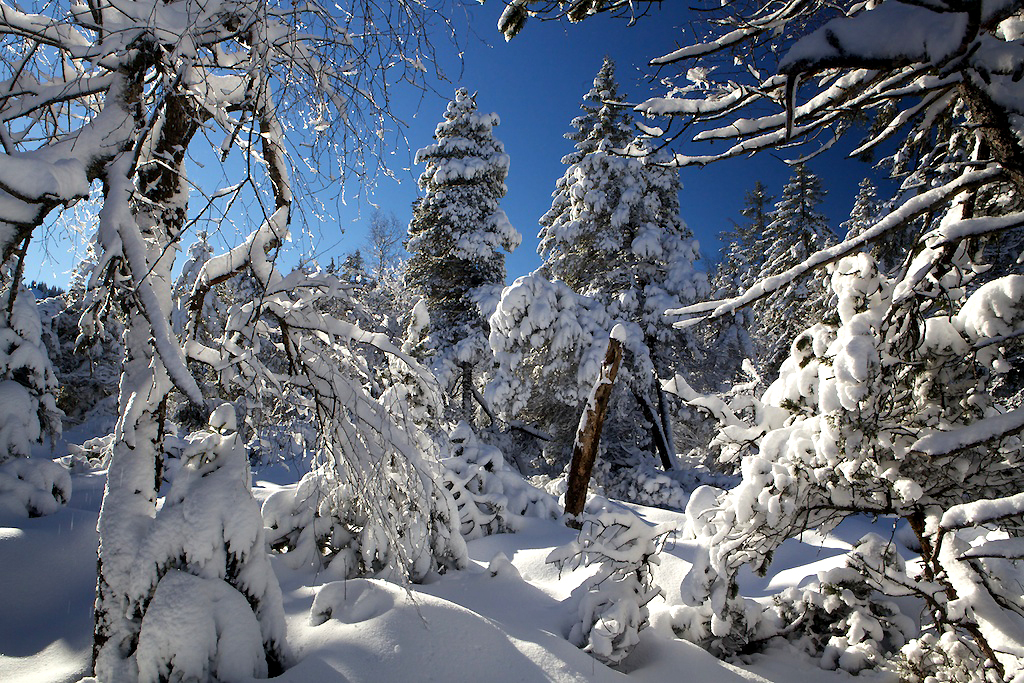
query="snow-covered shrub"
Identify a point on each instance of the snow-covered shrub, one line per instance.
(28, 386)
(324, 524)
(884, 411)
(212, 607)
(291, 443)
(611, 605)
(352, 526)
(491, 496)
(378, 468)
(32, 487)
(943, 657)
(840, 619)
(200, 629)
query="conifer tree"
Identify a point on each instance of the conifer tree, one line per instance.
(890, 253)
(865, 209)
(743, 251)
(455, 235)
(614, 233)
(742, 259)
(797, 230)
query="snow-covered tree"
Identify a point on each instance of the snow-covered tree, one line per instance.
(115, 93)
(868, 208)
(845, 430)
(28, 385)
(614, 233)
(950, 101)
(742, 258)
(547, 342)
(796, 230)
(865, 209)
(456, 236)
(743, 253)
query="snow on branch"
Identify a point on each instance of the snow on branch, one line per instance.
(909, 210)
(980, 512)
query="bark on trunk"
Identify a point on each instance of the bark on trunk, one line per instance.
(467, 392)
(588, 434)
(661, 443)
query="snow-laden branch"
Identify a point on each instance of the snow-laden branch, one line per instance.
(977, 433)
(119, 227)
(909, 210)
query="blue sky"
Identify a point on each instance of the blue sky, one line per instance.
(535, 83)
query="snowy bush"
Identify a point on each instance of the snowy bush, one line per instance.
(32, 487)
(611, 605)
(862, 422)
(211, 607)
(650, 486)
(200, 629)
(322, 522)
(491, 496)
(839, 619)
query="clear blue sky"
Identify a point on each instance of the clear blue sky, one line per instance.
(535, 83)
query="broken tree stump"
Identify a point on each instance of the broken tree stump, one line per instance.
(588, 433)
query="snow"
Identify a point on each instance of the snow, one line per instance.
(891, 31)
(506, 617)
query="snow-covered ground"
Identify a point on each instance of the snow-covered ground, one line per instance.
(504, 618)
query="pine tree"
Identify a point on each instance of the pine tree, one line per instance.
(456, 232)
(614, 233)
(742, 255)
(353, 268)
(890, 253)
(797, 230)
(28, 385)
(742, 259)
(865, 209)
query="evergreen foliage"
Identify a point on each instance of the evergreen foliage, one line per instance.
(614, 234)
(455, 237)
(797, 229)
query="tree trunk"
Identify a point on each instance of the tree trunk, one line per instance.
(661, 441)
(133, 479)
(666, 426)
(588, 434)
(467, 392)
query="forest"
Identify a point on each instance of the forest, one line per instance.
(802, 462)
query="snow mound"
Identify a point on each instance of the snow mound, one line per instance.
(351, 602)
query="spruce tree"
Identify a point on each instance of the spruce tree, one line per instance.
(455, 237)
(797, 230)
(743, 253)
(614, 233)
(742, 260)
(889, 253)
